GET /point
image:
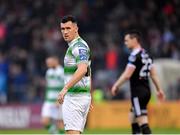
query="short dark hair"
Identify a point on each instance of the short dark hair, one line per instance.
(134, 34)
(69, 18)
(52, 56)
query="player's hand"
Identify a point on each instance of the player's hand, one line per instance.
(161, 95)
(91, 107)
(61, 95)
(114, 89)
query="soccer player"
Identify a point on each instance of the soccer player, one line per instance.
(75, 97)
(51, 110)
(139, 68)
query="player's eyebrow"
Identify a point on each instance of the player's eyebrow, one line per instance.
(62, 28)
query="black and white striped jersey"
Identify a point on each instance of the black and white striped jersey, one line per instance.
(142, 62)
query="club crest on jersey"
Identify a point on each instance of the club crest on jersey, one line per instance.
(82, 51)
(83, 57)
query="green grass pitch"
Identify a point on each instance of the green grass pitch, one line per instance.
(93, 131)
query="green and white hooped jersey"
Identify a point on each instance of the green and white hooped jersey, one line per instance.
(77, 52)
(54, 83)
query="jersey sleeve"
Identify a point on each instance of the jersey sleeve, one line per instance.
(132, 60)
(81, 52)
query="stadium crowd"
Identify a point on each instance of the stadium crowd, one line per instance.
(29, 32)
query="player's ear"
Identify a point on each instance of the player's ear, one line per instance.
(76, 27)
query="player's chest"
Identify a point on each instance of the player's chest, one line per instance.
(69, 59)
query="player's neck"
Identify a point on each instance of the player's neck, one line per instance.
(75, 37)
(74, 40)
(138, 46)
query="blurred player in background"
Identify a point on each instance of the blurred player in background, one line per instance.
(139, 68)
(51, 110)
(75, 96)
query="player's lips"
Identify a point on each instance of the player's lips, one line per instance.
(66, 36)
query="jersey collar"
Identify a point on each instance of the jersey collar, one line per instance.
(58, 66)
(137, 50)
(73, 41)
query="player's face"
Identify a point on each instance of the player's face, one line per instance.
(50, 62)
(129, 42)
(69, 31)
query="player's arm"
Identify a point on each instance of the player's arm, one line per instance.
(156, 82)
(91, 92)
(126, 75)
(77, 76)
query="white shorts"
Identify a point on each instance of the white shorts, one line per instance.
(52, 110)
(75, 109)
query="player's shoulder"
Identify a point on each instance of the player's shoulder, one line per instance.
(60, 68)
(132, 58)
(133, 55)
(49, 71)
(81, 44)
(135, 52)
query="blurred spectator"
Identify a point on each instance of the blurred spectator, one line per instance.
(3, 88)
(19, 84)
(111, 57)
(2, 31)
(3, 78)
